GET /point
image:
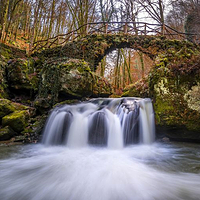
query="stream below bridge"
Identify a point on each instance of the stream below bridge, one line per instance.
(141, 172)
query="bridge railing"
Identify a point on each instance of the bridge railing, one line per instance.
(133, 28)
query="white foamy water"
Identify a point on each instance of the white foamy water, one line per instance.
(60, 173)
(147, 131)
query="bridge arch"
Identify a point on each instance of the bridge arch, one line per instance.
(92, 48)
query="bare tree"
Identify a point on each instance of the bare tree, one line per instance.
(185, 16)
(155, 9)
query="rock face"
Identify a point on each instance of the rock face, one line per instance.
(177, 107)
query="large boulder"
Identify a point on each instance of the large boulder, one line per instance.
(16, 120)
(65, 78)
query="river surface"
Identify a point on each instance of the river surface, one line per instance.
(140, 172)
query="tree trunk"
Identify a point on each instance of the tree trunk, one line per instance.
(51, 19)
(5, 19)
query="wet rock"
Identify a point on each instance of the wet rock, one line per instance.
(6, 133)
(20, 138)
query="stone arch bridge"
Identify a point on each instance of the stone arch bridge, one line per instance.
(92, 48)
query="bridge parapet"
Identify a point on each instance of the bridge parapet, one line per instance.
(131, 28)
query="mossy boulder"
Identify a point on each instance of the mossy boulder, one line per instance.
(64, 78)
(75, 78)
(6, 133)
(22, 75)
(13, 116)
(16, 120)
(6, 107)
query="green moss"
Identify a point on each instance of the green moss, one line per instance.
(22, 74)
(3, 83)
(6, 107)
(164, 111)
(16, 120)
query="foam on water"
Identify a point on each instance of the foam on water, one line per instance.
(60, 173)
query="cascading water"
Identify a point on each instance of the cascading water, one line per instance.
(106, 122)
(71, 165)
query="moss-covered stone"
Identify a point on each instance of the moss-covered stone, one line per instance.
(43, 104)
(6, 107)
(71, 101)
(22, 75)
(174, 85)
(65, 78)
(6, 133)
(16, 120)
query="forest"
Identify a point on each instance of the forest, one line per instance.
(24, 22)
(34, 20)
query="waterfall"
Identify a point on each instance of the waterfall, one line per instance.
(114, 123)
